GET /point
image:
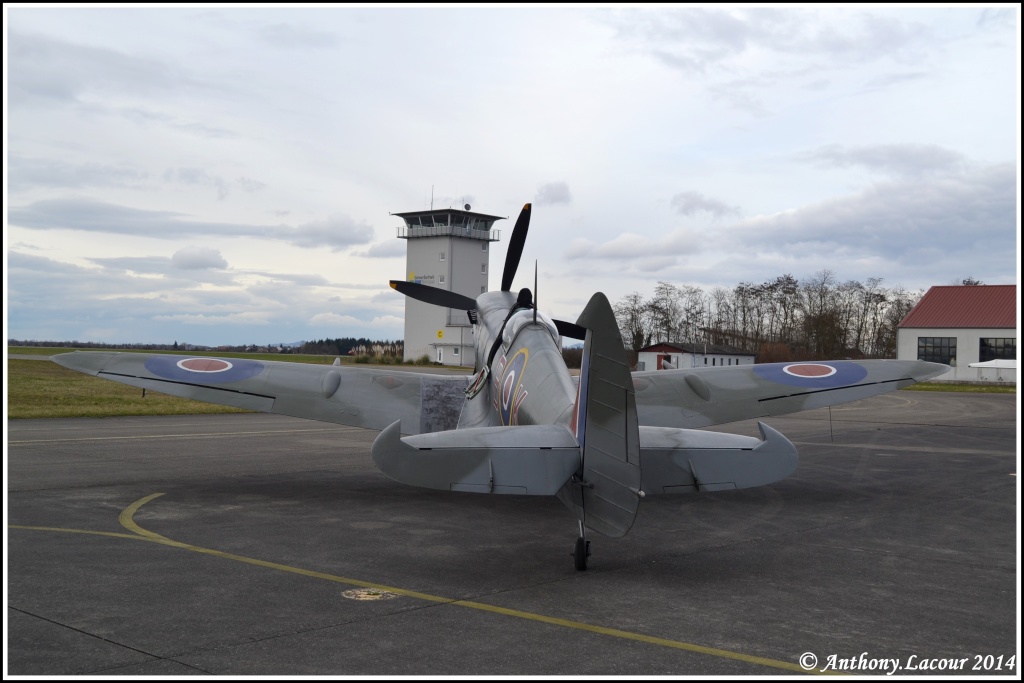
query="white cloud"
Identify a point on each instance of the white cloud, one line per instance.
(902, 159)
(291, 36)
(198, 258)
(880, 141)
(394, 248)
(669, 249)
(336, 232)
(553, 193)
(250, 318)
(689, 203)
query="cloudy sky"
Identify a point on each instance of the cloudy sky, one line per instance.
(217, 175)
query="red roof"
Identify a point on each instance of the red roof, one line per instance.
(965, 306)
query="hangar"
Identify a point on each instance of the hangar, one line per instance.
(963, 325)
(671, 355)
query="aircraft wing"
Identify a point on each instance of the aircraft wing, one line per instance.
(699, 397)
(360, 397)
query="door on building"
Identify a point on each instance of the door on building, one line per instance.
(440, 354)
(662, 357)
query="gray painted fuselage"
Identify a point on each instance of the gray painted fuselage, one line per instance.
(528, 381)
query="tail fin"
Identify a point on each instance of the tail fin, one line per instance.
(605, 426)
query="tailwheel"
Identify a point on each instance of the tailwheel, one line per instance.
(582, 550)
(581, 553)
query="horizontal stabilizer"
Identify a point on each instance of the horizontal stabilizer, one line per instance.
(687, 461)
(533, 460)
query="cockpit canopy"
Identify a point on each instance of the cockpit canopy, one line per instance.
(521, 320)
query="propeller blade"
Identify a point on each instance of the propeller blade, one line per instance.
(433, 295)
(571, 330)
(515, 248)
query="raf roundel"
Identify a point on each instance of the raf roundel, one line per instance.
(203, 370)
(829, 375)
(204, 365)
(809, 370)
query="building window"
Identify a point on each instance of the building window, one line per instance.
(455, 351)
(483, 267)
(483, 246)
(937, 349)
(442, 256)
(997, 349)
(442, 279)
(483, 289)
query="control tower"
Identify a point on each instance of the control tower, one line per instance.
(448, 249)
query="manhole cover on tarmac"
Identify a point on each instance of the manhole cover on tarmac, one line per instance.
(368, 594)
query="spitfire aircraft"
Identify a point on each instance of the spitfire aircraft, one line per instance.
(523, 424)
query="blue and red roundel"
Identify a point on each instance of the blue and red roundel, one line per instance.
(203, 370)
(830, 375)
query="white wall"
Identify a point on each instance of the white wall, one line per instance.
(648, 360)
(428, 327)
(968, 348)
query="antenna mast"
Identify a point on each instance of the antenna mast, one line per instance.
(535, 291)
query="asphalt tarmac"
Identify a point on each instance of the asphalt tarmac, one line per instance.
(264, 545)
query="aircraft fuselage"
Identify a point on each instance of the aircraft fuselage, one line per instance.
(529, 383)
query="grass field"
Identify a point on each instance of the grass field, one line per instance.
(290, 357)
(37, 388)
(964, 388)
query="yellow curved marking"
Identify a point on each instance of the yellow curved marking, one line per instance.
(512, 411)
(127, 520)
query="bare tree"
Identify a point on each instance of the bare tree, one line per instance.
(634, 317)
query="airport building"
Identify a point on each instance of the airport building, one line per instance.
(964, 326)
(675, 356)
(450, 249)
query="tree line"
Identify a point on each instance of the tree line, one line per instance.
(75, 344)
(341, 346)
(781, 319)
(344, 346)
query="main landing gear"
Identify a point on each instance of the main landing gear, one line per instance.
(582, 550)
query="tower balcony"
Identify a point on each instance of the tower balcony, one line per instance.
(410, 232)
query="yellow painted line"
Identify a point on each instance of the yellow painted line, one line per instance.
(690, 647)
(112, 534)
(216, 435)
(126, 519)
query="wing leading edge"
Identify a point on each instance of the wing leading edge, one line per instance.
(357, 397)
